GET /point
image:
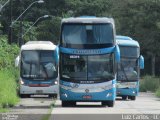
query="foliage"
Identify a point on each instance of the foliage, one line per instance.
(29, 31)
(158, 92)
(139, 19)
(8, 87)
(149, 83)
(8, 74)
(27, 35)
(49, 30)
(8, 53)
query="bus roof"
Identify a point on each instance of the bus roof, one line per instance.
(88, 19)
(126, 41)
(38, 45)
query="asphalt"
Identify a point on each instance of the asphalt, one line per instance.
(147, 106)
(33, 108)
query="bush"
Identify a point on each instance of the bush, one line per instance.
(158, 92)
(8, 91)
(149, 83)
(8, 74)
(8, 53)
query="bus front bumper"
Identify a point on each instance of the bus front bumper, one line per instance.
(39, 90)
(127, 91)
(107, 95)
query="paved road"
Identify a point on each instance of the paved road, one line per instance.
(34, 108)
(38, 108)
(146, 103)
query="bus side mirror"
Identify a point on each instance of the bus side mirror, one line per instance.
(141, 62)
(117, 54)
(17, 61)
(57, 54)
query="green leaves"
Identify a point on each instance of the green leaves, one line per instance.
(8, 53)
(139, 19)
(49, 30)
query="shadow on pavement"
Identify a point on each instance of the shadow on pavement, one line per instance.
(31, 107)
(80, 106)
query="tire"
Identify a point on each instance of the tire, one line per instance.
(124, 97)
(104, 103)
(53, 96)
(64, 104)
(73, 103)
(133, 97)
(21, 95)
(28, 96)
(68, 103)
(110, 103)
(24, 95)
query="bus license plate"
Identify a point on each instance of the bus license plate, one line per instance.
(87, 97)
(39, 91)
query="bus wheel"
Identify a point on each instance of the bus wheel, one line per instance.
(73, 103)
(21, 95)
(53, 96)
(28, 96)
(68, 103)
(104, 103)
(24, 95)
(110, 103)
(64, 104)
(124, 97)
(133, 97)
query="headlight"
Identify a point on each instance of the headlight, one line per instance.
(56, 82)
(64, 94)
(21, 82)
(114, 85)
(109, 95)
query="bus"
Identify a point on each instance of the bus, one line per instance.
(129, 68)
(38, 63)
(88, 53)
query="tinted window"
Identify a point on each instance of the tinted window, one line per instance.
(38, 65)
(87, 34)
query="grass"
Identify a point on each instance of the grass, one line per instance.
(8, 93)
(3, 110)
(158, 92)
(150, 83)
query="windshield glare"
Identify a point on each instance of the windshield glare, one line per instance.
(82, 68)
(38, 65)
(127, 51)
(87, 34)
(128, 69)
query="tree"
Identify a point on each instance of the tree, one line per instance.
(49, 30)
(140, 20)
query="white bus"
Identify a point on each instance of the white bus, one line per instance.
(38, 63)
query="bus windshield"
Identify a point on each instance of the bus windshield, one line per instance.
(128, 70)
(83, 68)
(87, 33)
(38, 65)
(127, 51)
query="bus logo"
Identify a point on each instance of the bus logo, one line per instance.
(87, 52)
(75, 85)
(87, 90)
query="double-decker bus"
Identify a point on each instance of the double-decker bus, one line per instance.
(129, 68)
(87, 61)
(38, 63)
